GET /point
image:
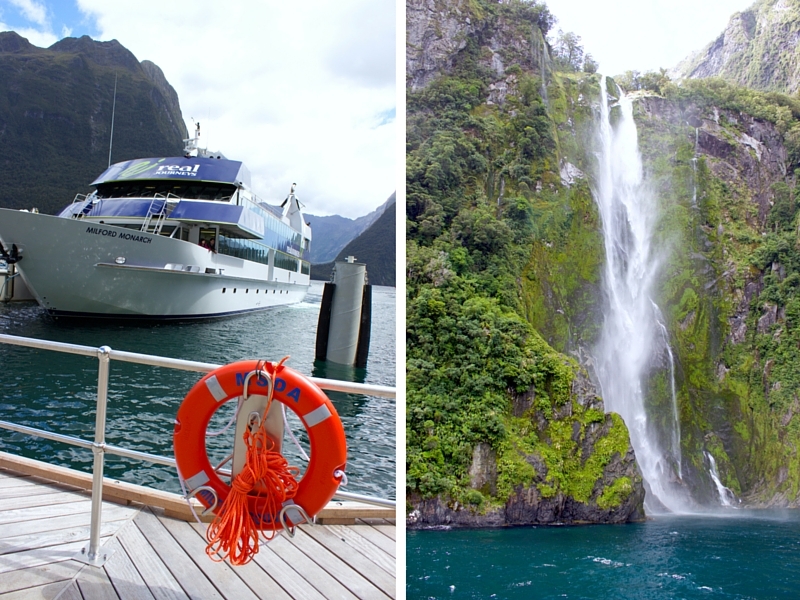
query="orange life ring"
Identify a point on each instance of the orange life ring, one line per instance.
(328, 446)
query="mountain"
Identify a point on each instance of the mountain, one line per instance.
(758, 49)
(55, 117)
(519, 163)
(375, 247)
(503, 257)
(332, 233)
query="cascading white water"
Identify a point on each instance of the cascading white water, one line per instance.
(725, 493)
(694, 167)
(633, 334)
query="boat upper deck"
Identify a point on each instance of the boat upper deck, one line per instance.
(45, 525)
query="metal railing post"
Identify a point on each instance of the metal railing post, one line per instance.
(91, 554)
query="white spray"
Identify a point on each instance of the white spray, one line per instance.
(725, 493)
(633, 333)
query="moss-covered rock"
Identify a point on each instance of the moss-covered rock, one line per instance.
(503, 255)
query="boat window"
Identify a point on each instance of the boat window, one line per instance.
(148, 189)
(208, 239)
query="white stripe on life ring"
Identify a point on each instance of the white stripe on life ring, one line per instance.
(196, 480)
(317, 416)
(216, 389)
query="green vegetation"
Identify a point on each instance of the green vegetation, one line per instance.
(503, 264)
(55, 117)
(501, 258)
(730, 283)
(756, 50)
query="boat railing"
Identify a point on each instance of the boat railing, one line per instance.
(161, 207)
(99, 447)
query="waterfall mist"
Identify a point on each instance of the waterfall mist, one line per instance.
(634, 341)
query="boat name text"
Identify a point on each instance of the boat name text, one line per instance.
(123, 236)
(280, 385)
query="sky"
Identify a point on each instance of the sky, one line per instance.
(643, 35)
(300, 92)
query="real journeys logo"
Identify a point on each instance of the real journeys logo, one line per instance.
(139, 168)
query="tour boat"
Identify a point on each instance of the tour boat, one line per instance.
(163, 238)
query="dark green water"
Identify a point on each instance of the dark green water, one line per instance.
(747, 554)
(57, 392)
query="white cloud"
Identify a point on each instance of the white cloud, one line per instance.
(33, 11)
(293, 90)
(643, 35)
(43, 39)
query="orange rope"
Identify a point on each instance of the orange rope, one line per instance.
(267, 475)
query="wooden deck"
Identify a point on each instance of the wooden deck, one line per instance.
(44, 526)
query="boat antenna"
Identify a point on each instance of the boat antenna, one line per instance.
(291, 195)
(113, 110)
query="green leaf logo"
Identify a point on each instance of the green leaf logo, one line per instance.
(138, 169)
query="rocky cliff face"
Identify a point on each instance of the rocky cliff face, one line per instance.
(726, 183)
(503, 428)
(583, 471)
(435, 32)
(499, 205)
(756, 50)
(55, 116)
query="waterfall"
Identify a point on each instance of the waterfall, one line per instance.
(694, 167)
(633, 338)
(725, 493)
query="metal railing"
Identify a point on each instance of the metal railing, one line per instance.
(99, 448)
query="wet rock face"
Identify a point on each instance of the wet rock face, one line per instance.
(435, 32)
(540, 503)
(483, 471)
(755, 50)
(738, 147)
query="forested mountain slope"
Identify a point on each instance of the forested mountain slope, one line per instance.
(55, 117)
(504, 278)
(758, 49)
(376, 247)
(501, 428)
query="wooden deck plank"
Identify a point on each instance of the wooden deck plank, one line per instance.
(155, 573)
(349, 511)
(355, 559)
(221, 573)
(126, 579)
(311, 571)
(381, 540)
(387, 530)
(262, 584)
(8, 480)
(71, 592)
(21, 579)
(155, 557)
(21, 492)
(111, 512)
(192, 579)
(19, 543)
(45, 511)
(94, 584)
(41, 500)
(46, 592)
(41, 556)
(285, 575)
(336, 567)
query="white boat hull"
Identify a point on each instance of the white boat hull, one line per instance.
(74, 267)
